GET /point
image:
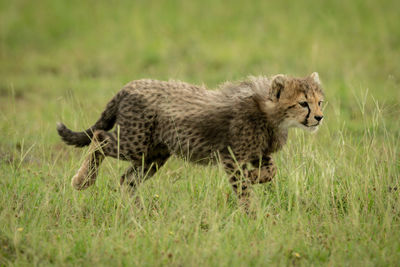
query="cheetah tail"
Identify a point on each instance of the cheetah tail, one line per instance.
(105, 122)
(78, 139)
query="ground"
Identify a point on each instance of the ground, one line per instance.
(336, 196)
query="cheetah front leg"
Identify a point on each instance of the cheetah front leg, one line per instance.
(265, 170)
(241, 184)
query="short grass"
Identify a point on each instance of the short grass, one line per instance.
(335, 200)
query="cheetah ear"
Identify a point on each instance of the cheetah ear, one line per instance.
(315, 77)
(277, 86)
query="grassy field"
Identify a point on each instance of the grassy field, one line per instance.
(335, 200)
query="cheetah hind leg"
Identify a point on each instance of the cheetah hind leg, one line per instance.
(87, 173)
(134, 176)
(143, 170)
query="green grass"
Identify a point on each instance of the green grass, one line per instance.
(335, 200)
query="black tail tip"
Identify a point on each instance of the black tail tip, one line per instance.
(78, 139)
(60, 126)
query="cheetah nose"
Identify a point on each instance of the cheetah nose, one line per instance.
(318, 118)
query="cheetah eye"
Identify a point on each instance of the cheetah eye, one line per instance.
(303, 104)
(320, 103)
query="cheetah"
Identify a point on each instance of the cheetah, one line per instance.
(240, 124)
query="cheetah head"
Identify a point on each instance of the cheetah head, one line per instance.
(298, 101)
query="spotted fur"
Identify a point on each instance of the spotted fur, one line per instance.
(238, 124)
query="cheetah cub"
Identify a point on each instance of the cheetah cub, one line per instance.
(239, 124)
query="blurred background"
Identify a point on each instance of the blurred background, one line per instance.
(54, 50)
